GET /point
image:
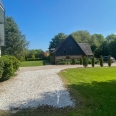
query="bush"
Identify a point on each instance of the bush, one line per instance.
(1, 67)
(109, 61)
(85, 61)
(81, 61)
(96, 61)
(89, 61)
(16, 63)
(101, 61)
(11, 64)
(73, 61)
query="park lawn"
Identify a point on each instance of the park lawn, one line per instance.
(31, 63)
(94, 90)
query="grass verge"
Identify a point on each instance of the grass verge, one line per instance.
(94, 90)
(33, 63)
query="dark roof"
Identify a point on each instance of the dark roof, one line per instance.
(85, 47)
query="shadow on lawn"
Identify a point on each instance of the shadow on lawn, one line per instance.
(95, 99)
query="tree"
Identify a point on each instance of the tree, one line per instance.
(112, 48)
(111, 38)
(96, 40)
(81, 61)
(101, 61)
(109, 61)
(103, 50)
(82, 36)
(73, 61)
(15, 41)
(56, 40)
(85, 61)
(93, 61)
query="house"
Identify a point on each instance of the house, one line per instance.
(70, 48)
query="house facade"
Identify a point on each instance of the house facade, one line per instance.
(69, 48)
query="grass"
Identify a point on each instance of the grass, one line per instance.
(32, 63)
(94, 91)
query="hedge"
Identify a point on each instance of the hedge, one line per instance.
(9, 66)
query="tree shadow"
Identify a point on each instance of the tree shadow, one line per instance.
(98, 98)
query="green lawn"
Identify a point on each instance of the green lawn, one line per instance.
(32, 63)
(94, 90)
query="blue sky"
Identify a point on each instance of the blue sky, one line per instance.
(40, 20)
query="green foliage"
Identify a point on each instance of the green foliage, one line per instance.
(73, 61)
(109, 61)
(85, 61)
(112, 48)
(15, 41)
(11, 64)
(110, 38)
(82, 36)
(93, 61)
(16, 63)
(81, 61)
(89, 61)
(56, 40)
(101, 61)
(1, 67)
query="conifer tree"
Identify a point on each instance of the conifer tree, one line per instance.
(85, 61)
(101, 61)
(93, 61)
(81, 61)
(109, 61)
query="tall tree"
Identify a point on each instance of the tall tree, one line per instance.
(56, 40)
(110, 38)
(112, 48)
(15, 41)
(82, 36)
(96, 40)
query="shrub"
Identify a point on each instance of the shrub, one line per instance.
(101, 61)
(16, 63)
(89, 61)
(109, 61)
(93, 61)
(11, 64)
(81, 61)
(1, 67)
(73, 61)
(96, 61)
(77, 61)
(85, 61)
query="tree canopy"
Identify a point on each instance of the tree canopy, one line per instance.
(15, 41)
(56, 40)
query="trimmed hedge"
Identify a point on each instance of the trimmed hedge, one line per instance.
(10, 66)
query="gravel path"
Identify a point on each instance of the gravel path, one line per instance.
(34, 86)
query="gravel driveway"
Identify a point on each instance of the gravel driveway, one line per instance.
(34, 86)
